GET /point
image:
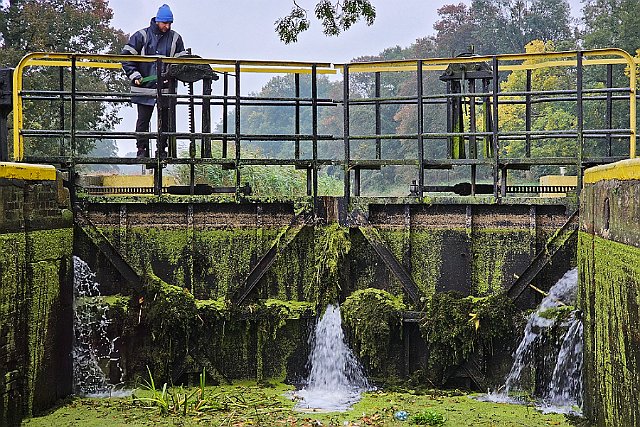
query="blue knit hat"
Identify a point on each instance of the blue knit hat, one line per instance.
(164, 14)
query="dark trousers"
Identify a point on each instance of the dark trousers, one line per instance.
(142, 125)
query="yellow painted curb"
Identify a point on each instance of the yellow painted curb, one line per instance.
(624, 170)
(28, 172)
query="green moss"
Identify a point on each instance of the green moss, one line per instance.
(213, 307)
(559, 313)
(455, 327)
(427, 259)
(332, 244)
(493, 251)
(12, 264)
(609, 298)
(32, 267)
(373, 315)
(293, 274)
(269, 406)
(398, 242)
(211, 263)
(44, 281)
(287, 310)
(49, 244)
(182, 334)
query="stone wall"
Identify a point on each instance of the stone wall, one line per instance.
(609, 296)
(36, 243)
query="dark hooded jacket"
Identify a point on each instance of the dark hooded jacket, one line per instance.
(149, 41)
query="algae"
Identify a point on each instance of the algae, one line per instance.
(456, 328)
(373, 316)
(609, 297)
(243, 404)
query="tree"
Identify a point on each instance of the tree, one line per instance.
(454, 29)
(607, 24)
(547, 116)
(500, 26)
(611, 23)
(265, 181)
(79, 26)
(335, 18)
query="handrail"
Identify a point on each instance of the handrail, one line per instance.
(490, 95)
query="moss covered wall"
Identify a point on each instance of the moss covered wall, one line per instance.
(36, 244)
(208, 249)
(474, 249)
(609, 296)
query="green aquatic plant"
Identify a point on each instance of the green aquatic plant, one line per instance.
(428, 418)
(175, 401)
(159, 398)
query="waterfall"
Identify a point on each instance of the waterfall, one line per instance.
(336, 378)
(565, 390)
(93, 351)
(563, 393)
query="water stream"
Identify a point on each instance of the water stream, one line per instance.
(336, 379)
(563, 393)
(94, 353)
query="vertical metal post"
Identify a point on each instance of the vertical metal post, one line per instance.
(72, 165)
(494, 141)
(356, 182)
(378, 120)
(314, 123)
(473, 128)
(609, 114)
(527, 115)
(225, 112)
(347, 148)
(205, 149)
(170, 117)
(6, 105)
(237, 127)
(4, 134)
(449, 121)
(61, 108)
(420, 131)
(487, 117)
(580, 111)
(297, 112)
(192, 140)
(157, 176)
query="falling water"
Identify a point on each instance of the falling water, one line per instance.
(93, 351)
(336, 378)
(564, 392)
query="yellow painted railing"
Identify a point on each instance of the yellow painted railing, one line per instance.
(509, 62)
(44, 59)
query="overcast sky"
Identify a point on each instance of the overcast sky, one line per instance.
(244, 29)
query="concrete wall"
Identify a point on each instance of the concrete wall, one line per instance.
(36, 243)
(609, 296)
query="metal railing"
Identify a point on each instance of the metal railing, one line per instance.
(484, 106)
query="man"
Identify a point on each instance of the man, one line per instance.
(157, 39)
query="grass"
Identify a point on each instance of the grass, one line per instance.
(245, 404)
